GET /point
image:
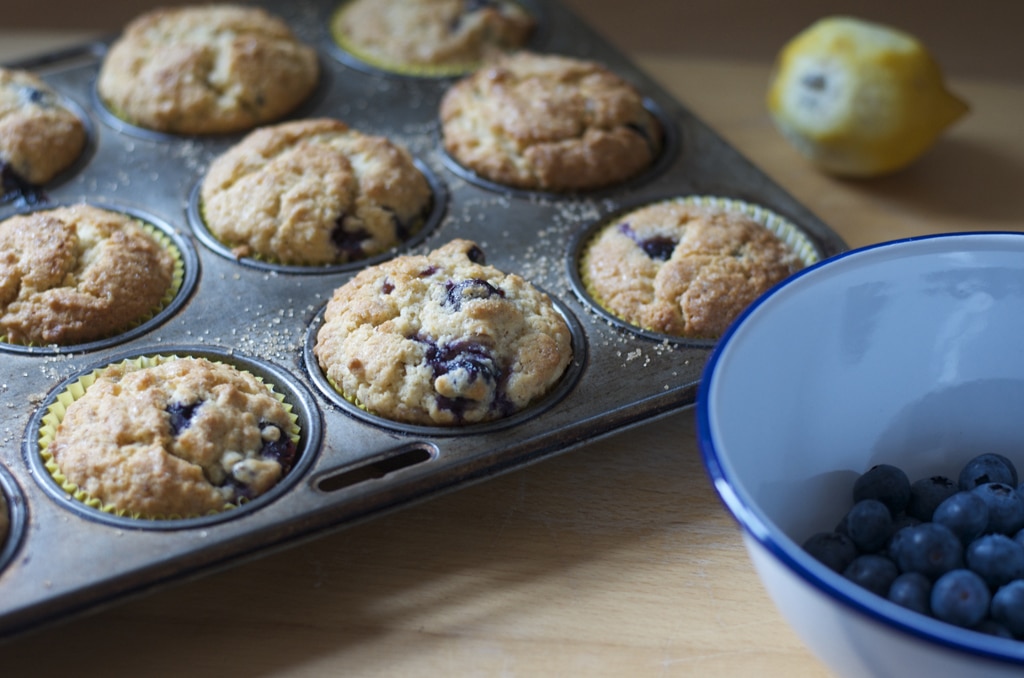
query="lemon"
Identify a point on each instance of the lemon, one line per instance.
(858, 98)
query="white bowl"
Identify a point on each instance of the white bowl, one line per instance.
(908, 353)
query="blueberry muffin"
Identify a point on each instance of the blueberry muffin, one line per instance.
(313, 192)
(429, 36)
(174, 438)
(39, 137)
(79, 273)
(442, 339)
(549, 123)
(682, 268)
(206, 69)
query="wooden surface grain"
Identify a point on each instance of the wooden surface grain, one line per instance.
(616, 559)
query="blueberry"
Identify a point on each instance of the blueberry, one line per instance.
(898, 528)
(349, 242)
(181, 416)
(874, 572)
(658, 247)
(929, 548)
(991, 627)
(888, 484)
(869, 525)
(1008, 607)
(988, 468)
(387, 287)
(966, 513)
(998, 559)
(833, 549)
(913, 591)
(960, 597)
(476, 255)
(927, 493)
(14, 188)
(278, 446)
(1005, 508)
(475, 288)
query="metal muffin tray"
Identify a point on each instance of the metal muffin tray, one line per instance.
(64, 557)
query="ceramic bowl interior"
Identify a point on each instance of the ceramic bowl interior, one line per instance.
(908, 353)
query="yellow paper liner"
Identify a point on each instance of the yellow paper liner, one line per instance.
(399, 68)
(55, 415)
(177, 279)
(787, 232)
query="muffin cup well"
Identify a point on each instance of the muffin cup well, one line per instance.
(421, 231)
(305, 432)
(13, 505)
(351, 405)
(790, 234)
(183, 281)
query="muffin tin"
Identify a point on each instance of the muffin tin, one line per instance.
(63, 557)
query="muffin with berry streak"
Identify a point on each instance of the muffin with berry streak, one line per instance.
(175, 437)
(314, 192)
(40, 137)
(682, 268)
(442, 339)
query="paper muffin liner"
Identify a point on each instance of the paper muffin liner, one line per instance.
(176, 285)
(349, 52)
(791, 235)
(55, 415)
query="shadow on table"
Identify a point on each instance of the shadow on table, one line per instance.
(446, 568)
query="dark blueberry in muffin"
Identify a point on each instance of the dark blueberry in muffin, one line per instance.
(659, 247)
(387, 287)
(181, 416)
(475, 359)
(346, 241)
(475, 288)
(428, 271)
(278, 446)
(14, 188)
(31, 95)
(403, 229)
(476, 255)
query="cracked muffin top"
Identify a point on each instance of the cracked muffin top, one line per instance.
(442, 339)
(430, 35)
(76, 274)
(209, 69)
(683, 269)
(314, 192)
(39, 137)
(178, 439)
(550, 123)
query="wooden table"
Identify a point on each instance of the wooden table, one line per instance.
(613, 560)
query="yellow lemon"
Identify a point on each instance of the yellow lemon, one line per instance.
(859, 98)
